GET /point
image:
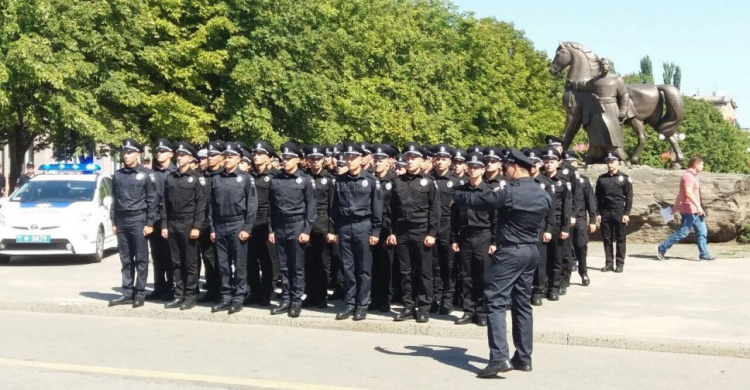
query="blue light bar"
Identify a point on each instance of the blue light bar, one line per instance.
(70, 167)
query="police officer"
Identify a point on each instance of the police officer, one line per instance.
(585, 221)
(458, 162)
(382, 266)
(473, 239)
(292, 215)
(207, 248)
(336, 274)
(133, 213)
(356, 215)
(523, 205)
(182, 214)
(562, 203)
(614, 194)
(443, 256)
(317, 259)
(231, 215)
(162, 259)
(415, 208)
(493, 167)
(261, 254)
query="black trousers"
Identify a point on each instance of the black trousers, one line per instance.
(541, 278)
(474, 246)
(260, 269)
(382, 271)
(231, 253)
(185, 263)
(415, 267)
(567, 260)
(133, 249)
(162, 259)
(613, 229)
(580, 241)
(336, 269)
(291, 259)
(443, 259)
(356, 257)
(555, 251)
(207, 250)
(317, 264)
(508, 280)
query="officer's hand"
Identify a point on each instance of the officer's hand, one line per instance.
(114, 229)
(592, 228)
(598, 219)
(304, 238)
(546, 237)
(455, 247)
(391, 240)
(492, 250)
(331, 238)
(165, 233)
(429, 241)
(625, 219)
(212, 237)
(271, 238)
(374, 240)
(564, 236)
(147, 230)
(244, 235)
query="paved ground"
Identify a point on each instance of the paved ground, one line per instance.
(678, 305)
(64, 351)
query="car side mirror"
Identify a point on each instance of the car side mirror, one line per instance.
(107, 201)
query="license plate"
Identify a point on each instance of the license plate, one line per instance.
(33, 239)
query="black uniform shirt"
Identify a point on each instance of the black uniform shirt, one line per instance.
(292, 196)
(161, 176)
(208, 175)
(262, 186)
(463, 217)
(357, 197)
(185, 198)
(324, 182)
(415, 201)
(614, 193)
(386, 187)
(571, 175)
(134, 189)
(446, 186)
(233, 196)
(562, 201)
(547, 185)
(589, 200)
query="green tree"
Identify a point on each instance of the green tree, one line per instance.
(668, 75)
(677, 78)
(647, 73)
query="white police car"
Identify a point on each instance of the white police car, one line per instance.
(64, 211)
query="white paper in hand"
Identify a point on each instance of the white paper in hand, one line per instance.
(666, 214)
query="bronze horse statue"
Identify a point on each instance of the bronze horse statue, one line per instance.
(660, 106)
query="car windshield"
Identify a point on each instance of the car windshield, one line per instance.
(55, 191)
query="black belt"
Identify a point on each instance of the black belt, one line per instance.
(129, 212)
(514, 245)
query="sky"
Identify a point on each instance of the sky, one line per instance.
(709, 40)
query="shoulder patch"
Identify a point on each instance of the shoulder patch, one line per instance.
(569, 186)
(202, 181)
(152, 177)
(581, 180)
(377, 185)
(364, 183)
(578, 175)
(140, 176)
(542, 185)
(312, 182)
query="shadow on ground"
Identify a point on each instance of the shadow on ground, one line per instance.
(451, 356)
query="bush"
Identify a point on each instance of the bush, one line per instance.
(744, 236)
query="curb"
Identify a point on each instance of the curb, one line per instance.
(378, 323)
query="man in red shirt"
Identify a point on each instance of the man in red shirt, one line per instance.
(689, 205)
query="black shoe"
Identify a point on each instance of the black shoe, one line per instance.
(563, 290)
(294, 311)
(552, 295)
(177, 302)
(346, 313)
(167, 296)
(235, 307)
(187, 304)
(384, 307)
(265, 302)
(493, 369)
(406, 314)
(337, 295)
(206, 298)
(283, 307)
(618, 269)
(221, 306)
(309, 302)
(322, 303)
(608, 268)
(154, 295)
(481, 322)
(360, 314)
(123, 300)
(518, 366)
(446, 309)
(466, 319)
(536, 300)
(434, 307)
(138, 301)
(423, 316)
(585, 280)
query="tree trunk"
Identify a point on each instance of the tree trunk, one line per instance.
(18, 145)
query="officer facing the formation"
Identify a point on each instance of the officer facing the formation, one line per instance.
(614, 194)
(133, 213)
(292, 215)
(415, 204)
(585, 220)
(214, 166)
(356, 215)
(162, 259)
(231, 215)
(523, 206)
(182, 214)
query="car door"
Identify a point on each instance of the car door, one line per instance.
(105, 191)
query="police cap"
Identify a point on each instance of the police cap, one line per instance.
(551, 140)
(475, 159)
(183, 147)
(516, 157)
(163, 144)
(132, 145)
(413, 149)
(551, 154)
(290, 149)
(314, 151)
(442, 150)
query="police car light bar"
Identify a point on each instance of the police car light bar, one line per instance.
(70, 167)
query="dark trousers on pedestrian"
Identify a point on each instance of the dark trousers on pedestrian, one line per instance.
(567, 260)
(317, 262)
(207, 250)
(162, 260)
(382, 271)
(473, 245)
(443, 259)
(415, 266)
(231, 253)
(133, 249)
(260, 255)
(555, 251)
(356, 257)
(541, 279)
(580, 240)
(613, 230)
(184, 251)
(508, 280)
(291, 259)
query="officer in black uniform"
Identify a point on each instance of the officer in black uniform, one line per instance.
(523, 205)
(493, 172)
(182, 214)
(133, 212)
(162, 259)
(356, 215)
(317, 256)
(292, 215)
(382, 266)
(539, 284)
(415, 204)
(473, 235)
(458, 163)
(585, 221)
(207, 248)
(231, 215)
(614, 194)
(336, 274)
(562, 203)
(443, 256)
(261, 254)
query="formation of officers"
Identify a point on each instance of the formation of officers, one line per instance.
(425, 227)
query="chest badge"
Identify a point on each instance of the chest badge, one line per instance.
(620, 178)
(423, 182)
(565, 171)
(364, 183)
(239, 179)
(202, 180)
(140, 176)
(324, 181)
(450, 184)
(266, 179)
(388, 186)
(542, 185)
(299, 180)
(190, 179)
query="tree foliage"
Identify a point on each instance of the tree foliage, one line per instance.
(647, 73)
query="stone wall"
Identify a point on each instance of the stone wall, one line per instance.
(726, 198)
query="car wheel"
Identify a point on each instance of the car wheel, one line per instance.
(99, 254)
(4, 259)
